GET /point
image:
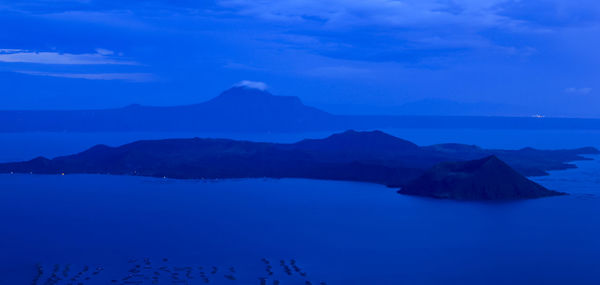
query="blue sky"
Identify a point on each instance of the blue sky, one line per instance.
(491, 57)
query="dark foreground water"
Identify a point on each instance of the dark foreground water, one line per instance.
(337, 232)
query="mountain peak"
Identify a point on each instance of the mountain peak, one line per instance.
(247, 96)
(375, 135)
(244, 108)
(488, 178)
(487, 164)
(352, 140)
(244, 91)
(487, 161)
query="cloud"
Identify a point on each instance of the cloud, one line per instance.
(575, 90)
(424, 13)
(339, 71)
(101, 56)
(102, 51)
(123, 18)
(407, 31)
(552, 14)
(9, 50)
(241, 66)
(132, 77)
(252, 84)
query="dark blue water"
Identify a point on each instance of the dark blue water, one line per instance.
(339, 232)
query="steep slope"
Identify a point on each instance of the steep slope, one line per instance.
(484, 179)
(352, 141)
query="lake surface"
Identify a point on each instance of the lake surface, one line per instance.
(337, 232)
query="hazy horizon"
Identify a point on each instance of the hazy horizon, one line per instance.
(423, 107)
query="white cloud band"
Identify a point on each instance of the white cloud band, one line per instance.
(133, 77)
(101, 56)
(252, 84)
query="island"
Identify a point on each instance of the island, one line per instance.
(488, 178)
(364, 156)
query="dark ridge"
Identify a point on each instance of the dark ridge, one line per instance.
(454, 147)
(351, 140)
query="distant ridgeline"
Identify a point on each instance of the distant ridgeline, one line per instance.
(374, 157)
(244, 109)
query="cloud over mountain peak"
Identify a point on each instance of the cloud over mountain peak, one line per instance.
(252, 84)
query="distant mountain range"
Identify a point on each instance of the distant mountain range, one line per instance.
(351, 156)
(244, 109)
(237, 109)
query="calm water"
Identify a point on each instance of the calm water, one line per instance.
(339, 232)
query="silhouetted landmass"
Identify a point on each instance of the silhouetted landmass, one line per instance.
(483, 179)
(351, 156)
(236, 109)
(243, 109)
